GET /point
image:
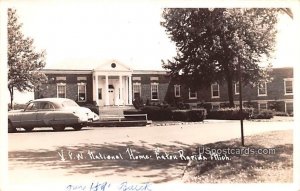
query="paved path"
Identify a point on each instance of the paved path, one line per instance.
(36, 158)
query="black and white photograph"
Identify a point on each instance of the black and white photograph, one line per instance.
(149, 95)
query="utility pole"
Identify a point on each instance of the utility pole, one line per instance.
(241, 100)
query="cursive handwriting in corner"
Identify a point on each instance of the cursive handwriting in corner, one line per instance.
(125, 186)
(94, 186)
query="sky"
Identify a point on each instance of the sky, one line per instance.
(81, 35)
(84, 34)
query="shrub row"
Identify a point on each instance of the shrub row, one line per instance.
(230, 113)
(280, 113)
(234, 114)
(264, 114)
(17, 106)
(156, 113)
(189, 115)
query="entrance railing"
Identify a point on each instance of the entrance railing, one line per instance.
(127, 117)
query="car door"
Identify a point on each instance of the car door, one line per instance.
(28, 118)
(44, 114)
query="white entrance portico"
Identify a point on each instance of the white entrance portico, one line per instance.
(112, 84)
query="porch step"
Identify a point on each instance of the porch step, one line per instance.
(120, 123)
(113, 112)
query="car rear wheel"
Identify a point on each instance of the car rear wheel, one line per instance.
(58, 128)
(28, 129)
(11, 129)
(77, 128)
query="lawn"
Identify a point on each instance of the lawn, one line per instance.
(246, 168)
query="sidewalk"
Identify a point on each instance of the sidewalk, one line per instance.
(167, 123)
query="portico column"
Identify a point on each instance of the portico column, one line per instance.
(130, 90)
(121, 101)
(126, 91)
(106, 91)
(96, 89)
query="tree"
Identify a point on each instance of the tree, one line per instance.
(287, 11)
(24, 63)
(210, 42)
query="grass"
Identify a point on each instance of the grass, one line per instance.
(243, 168)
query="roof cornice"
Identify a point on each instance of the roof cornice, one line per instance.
(59, 71)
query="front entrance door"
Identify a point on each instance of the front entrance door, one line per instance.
(111, 94)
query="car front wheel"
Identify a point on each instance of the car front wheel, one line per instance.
(58, 128)
(77, 128)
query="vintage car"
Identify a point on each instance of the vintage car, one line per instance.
(57, 113)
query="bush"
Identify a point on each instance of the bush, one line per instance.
(157, 113)
(189, 115)
(264, 114)
(17, 106)
(230, 113)
(197, 114)
(137, 103)
(180, 115)
(154, 113)
(182, 106)
(280, 113)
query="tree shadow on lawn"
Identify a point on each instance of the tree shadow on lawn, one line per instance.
(79, 160)
(242, 168)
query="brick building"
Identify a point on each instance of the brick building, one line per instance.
(116, 84)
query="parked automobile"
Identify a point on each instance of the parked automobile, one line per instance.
(93, 108)
(57, 113)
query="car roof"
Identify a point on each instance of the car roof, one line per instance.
(55, 100)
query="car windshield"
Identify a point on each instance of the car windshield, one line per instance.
(69, 103)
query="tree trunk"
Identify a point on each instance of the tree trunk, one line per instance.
(229, 80)
(230, 89)
(11, 91)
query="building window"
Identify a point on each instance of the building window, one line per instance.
(262, 106)
(61, 90)
(237, 105)
(136, 90)
(192, 94)
(100, 93)
(262, 89)
(237, 88)
(288, 86)
(177, 90)
(154, 91)
(81, 92)
(289, 107)
(215, 91)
